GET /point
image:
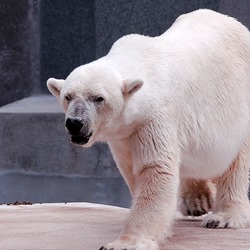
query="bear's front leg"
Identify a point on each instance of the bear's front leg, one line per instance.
(152, 212)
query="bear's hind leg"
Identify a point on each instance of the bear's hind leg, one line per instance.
(232, 207)
(196, 196)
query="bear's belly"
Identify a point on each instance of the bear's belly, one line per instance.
(211, 150)
(208, 162)
(203, 167)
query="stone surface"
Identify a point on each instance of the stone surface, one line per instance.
(19, 49)
(238, 9)
(44, 188)
(89, 226)
(67, 37)
(38, 162)
(87, 29)
(117, 18)
(33, 139)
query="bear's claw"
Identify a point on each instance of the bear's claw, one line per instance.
(212, 224)
(104, 248)
(133, 243)
(197, 213)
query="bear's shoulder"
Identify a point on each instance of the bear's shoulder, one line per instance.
(130, 41)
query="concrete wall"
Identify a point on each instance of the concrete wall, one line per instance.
(117, 18)
(19, 49)
(89, 28)
(238, 9)
(81, 31)
(67, 36)
(39, 164)
(43, 38)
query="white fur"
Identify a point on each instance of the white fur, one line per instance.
(176, 107)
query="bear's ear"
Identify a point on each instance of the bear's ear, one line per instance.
(55, 86)
(130, 87)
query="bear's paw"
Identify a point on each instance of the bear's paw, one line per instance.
(131, 244)
(197, 197)
(230, 219)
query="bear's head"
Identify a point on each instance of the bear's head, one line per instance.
(93, 97)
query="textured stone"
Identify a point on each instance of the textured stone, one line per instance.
(19, 42)
(43, 188)
(33, 139)
(39, 164)
(115, 19)
(68, 37)
(238, 9)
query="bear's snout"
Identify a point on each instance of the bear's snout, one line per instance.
(74, 125)
(79, 133)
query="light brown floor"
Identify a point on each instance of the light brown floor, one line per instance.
(84, 226)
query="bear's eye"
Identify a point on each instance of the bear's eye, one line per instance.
(68, 98)
(99, 99)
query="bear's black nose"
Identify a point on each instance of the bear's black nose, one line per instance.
(74, 125)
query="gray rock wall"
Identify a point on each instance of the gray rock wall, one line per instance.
(115, 19)
(238, 9)
(19, 49)
(67, 37)
(43, 38)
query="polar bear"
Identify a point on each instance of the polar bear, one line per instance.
(174, 110)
